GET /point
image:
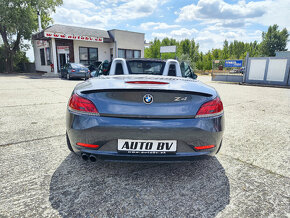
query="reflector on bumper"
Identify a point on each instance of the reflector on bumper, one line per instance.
(204, 147)
(87, 145)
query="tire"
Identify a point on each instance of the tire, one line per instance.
(68, 76)
(68, 143)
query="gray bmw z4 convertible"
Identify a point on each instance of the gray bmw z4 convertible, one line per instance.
(144, 110)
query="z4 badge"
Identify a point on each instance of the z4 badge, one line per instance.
(180, 99)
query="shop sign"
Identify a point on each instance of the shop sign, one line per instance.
(168, 49)
(62, 49)
(233, 63)
(42, 43)
(73, 37)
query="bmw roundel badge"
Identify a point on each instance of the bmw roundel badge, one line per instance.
(148, 99)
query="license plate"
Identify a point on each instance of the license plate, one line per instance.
(147, 146)
(82, 71)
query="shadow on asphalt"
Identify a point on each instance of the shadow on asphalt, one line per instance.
(109, 189)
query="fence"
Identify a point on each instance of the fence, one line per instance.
(227, 74)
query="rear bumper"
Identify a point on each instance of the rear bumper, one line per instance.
(113, 156)
(79, 75)
(105, 132)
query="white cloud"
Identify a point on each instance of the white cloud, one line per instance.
(277, 12)
(218, 9)
(79, 4)
(183, 33)
(178, 34)
(237, 15)
(220, 20)
(157, 25)
(107, 13)
(76, 17)
(159, 35)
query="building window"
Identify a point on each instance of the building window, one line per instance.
(128, 53)
(48, 60)
(137, 54)
(42, 57)
(121, 53)
(88, 55)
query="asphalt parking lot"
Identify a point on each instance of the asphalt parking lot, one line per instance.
(250, 177)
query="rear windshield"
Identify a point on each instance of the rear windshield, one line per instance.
(77, 66)
(145, 67)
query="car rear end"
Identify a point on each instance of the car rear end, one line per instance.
(79, 71)
(118, 124)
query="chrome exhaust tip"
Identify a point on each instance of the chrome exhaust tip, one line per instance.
(85, 156)
(93, 158)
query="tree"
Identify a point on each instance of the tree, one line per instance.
(225, 53)
(154, 50)
(18, 20)
(189, 50)
(274, 40)
(185, 46)
(194, 51)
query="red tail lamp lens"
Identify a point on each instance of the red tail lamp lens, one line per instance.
(87, 145)
(73, 70)
(211, 108)
(147, 82)
(204, 147)
(78, 103)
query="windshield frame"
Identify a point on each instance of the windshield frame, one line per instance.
(146, 61)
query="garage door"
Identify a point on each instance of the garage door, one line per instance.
(269, 70)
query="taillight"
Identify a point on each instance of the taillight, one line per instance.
(89, 71)
(73, 70)
(80, 104)
(211, 108)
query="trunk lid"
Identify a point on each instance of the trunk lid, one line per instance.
(168, 97)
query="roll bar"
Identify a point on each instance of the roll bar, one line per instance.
(126, 72)
(177, 67)
(117, 61)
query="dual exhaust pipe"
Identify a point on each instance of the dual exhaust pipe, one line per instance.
(90, 157)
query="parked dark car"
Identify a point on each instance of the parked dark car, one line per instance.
(73, 70)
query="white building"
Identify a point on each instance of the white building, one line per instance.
(61, 44)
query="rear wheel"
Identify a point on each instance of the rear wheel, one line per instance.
(68, 143)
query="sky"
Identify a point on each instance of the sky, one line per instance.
(208, 22)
